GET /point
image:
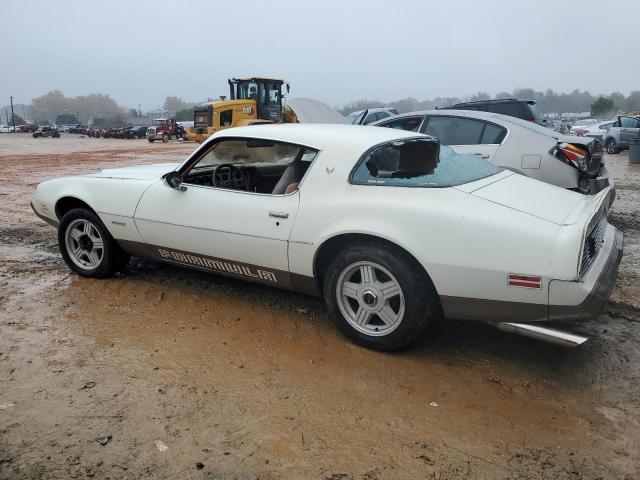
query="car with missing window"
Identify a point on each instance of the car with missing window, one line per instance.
(394, 230)
(527, 148)
(617, 136)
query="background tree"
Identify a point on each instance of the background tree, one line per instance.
(65, 119)
(602, 107)
(185, 115)
(176, 104)
(17, 120)
(503, 95)
(632, 103)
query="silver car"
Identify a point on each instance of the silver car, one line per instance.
(618, 135)
(530, 149)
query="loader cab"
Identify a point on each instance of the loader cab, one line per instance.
(266, 92)
(202, 117)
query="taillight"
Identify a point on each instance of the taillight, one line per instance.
(573, 155)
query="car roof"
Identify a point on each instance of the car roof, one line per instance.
(321, 136)
(459, 113)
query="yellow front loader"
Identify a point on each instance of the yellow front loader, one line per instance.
(252, 101)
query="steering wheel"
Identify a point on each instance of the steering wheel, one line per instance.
(228, 175)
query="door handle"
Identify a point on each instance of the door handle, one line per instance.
(481, 155)
(279, 214)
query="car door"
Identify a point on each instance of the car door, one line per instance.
(467, 136)
(629, 128)
(239, 233)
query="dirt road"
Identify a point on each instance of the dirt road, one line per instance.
(168, 373)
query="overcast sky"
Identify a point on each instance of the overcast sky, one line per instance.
(335, 51)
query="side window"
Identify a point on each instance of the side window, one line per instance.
(493, 134)
(381, 115)
(226, 118)
(454, 130)
(410, 123)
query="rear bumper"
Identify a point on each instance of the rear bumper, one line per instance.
(568, 300)
(600, 288)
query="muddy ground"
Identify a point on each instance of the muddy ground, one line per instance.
(185, 375)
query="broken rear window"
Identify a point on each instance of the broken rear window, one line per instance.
(419, 163)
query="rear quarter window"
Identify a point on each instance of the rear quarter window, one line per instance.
(419, 163)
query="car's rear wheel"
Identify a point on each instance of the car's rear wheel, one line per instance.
(379, 297)
(87, 247)
(612, 146)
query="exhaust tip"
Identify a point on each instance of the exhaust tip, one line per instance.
(550, 335)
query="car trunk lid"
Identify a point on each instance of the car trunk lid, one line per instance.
(527, 195)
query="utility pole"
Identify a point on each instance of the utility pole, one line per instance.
(24, 113)
(139, 110)
(13, 117)
(78, 117)
(6, 113)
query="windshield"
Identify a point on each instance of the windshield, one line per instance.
(353, 115)
(159, 122)
(418, 163)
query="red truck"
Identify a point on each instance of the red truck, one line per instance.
(162, 129)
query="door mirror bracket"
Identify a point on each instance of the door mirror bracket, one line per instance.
(174, 180)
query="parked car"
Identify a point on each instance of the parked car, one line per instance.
(137, 132)
(7, 129)
(616, 137)
(371, 115)
(523, 109)
(46, 132)
(524, 147)
(28, 128)
(409, 229)
(557, 125)
(78, 129)
(595, 130)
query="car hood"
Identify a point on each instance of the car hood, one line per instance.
(527, 195)
(137, 172)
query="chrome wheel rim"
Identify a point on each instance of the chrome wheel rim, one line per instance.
(84, 244)
(370, 298)
(610, 147)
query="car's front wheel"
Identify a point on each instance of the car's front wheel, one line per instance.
(612, 146)
(87, 247)
(379, 297)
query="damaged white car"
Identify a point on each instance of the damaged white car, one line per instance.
(391, 228)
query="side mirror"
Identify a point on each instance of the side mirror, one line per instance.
(288, 88)
(174, 180)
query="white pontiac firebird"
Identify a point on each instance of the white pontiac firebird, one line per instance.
(391, 228)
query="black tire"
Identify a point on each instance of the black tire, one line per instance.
(113, 258)
(166, 138)
(612, 146)
(421, 303)
(150, 140)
